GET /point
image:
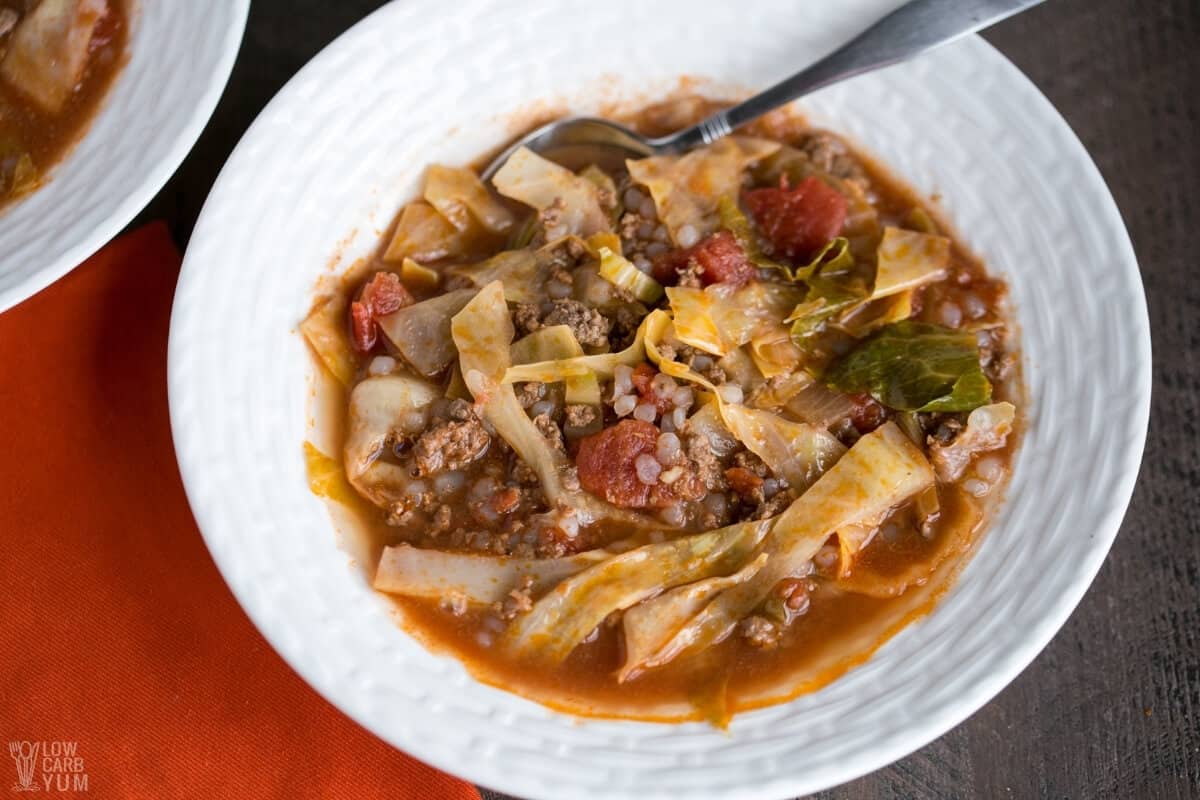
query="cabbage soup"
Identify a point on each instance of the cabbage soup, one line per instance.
(672, 438)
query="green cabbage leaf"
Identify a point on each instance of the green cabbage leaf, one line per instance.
(915, 366)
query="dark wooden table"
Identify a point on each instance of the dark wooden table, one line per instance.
(1112, 707)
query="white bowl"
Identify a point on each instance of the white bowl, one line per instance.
(328, 163)
(180, 55)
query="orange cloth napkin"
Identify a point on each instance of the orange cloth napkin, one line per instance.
(118, 634)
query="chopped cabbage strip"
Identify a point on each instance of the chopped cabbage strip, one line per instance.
(564, 617)
(545, 344)
(987, 429)
(415, 276)
(620, 272)
(881, 470)
(834, 285)
(648, 626)
(654, 330)
(907, 259)
(779, 390)
(819, 405)
(540, 183)
(459, 195)
(414, 572)
(834, 257)
(523, 272)
(799, 452)
(376, 407)
(687, 189)
(553, 343)
(739, 368)
(325, 331)
(603, 239)
(601, 365)
(915, 366)
(839, 292)
(872, 315)
(775, 354)
(424, 235)
(719, 319)
(421, 332)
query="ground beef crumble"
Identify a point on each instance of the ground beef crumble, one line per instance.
(449, 446)
(704, 461)
(624, 319)
(589, 325)
(580, 416)
(527, 318)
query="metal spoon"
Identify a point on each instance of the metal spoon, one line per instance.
(912, 29)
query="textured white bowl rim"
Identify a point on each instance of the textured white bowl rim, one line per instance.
(71, 240)
(198, 464)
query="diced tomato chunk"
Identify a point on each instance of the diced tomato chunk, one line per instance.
(385, 294)
(606, 462)
(722, 260)
(382, 295)
(362, 327)
(798, 222)
(866, 413)
(719, 259)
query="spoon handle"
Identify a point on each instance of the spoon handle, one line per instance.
(910, 30)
